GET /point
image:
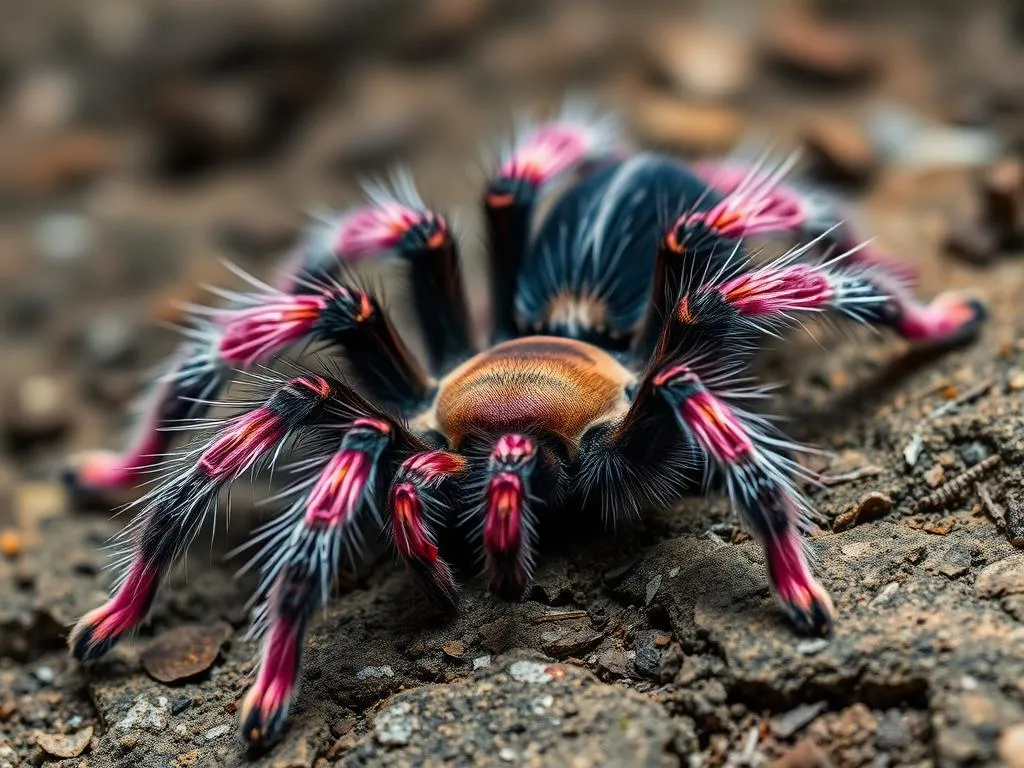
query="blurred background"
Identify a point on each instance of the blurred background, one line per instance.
(142, 142)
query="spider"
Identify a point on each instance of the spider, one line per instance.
(627, 307)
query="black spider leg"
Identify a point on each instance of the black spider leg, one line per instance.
(588, 272)
(259, 328)
(337, 499)
(757, 201)
(575, 143)
(171, 514)
(693, 389)
(438, 292)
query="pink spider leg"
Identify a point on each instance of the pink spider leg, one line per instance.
(540, 155)
(419, 502)
(686, 410)
(757, 478)
(397, 223)
(302, 552)
(775, 293)
(259, 328)
(759, 200)
(172, 513)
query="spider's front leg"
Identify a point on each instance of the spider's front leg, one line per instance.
(304, 549)
(672, 406)
(690, 396)
(172, 513)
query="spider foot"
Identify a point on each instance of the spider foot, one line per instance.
(264, 709)
(805, 601)
(91, 473)
(100, 629)
(950, 318)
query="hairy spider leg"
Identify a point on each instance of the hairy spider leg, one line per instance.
(302, 552)
(521, 476)
(172, 512)
(700, 360)
(420, 501)
(573, 142)
(258, 329)
(588, 272)
(755, 201)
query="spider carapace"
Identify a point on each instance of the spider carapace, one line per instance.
(626, 310)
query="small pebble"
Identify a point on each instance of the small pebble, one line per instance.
(11, 544)
(215, 733)
(935, 476)
(824, 51)
(184, 652)
(456, 649)
(65, 746)
(840, 151)
(36, 409)
(63, 237)
(1002, 187)
(1011, 746)
(704, 62)
(44, 675)
(811, 647)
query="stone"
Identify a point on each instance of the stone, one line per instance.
(1011, 746)
(36, 409)
(790, 723)
(54, 164)
(710, 62)
(806, 754)
(687, 126)
(935, 476)
(823, 51)
(1003, 577)
(970, 240)
(840, 151)
(871, 506)
(1002, 189)
(64, 746)
(184, 652)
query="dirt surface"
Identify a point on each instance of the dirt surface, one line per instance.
(143, 142)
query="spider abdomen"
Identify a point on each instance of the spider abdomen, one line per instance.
(546, 382)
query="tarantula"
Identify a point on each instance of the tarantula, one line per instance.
(626, 308)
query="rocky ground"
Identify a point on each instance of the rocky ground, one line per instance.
(142, 142)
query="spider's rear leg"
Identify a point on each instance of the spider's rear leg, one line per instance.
(772, 296)
(574, 141)
(259, 328)
(172, 513)
(757, 202)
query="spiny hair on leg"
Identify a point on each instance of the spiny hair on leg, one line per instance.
(542, 151)
(623, 488)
